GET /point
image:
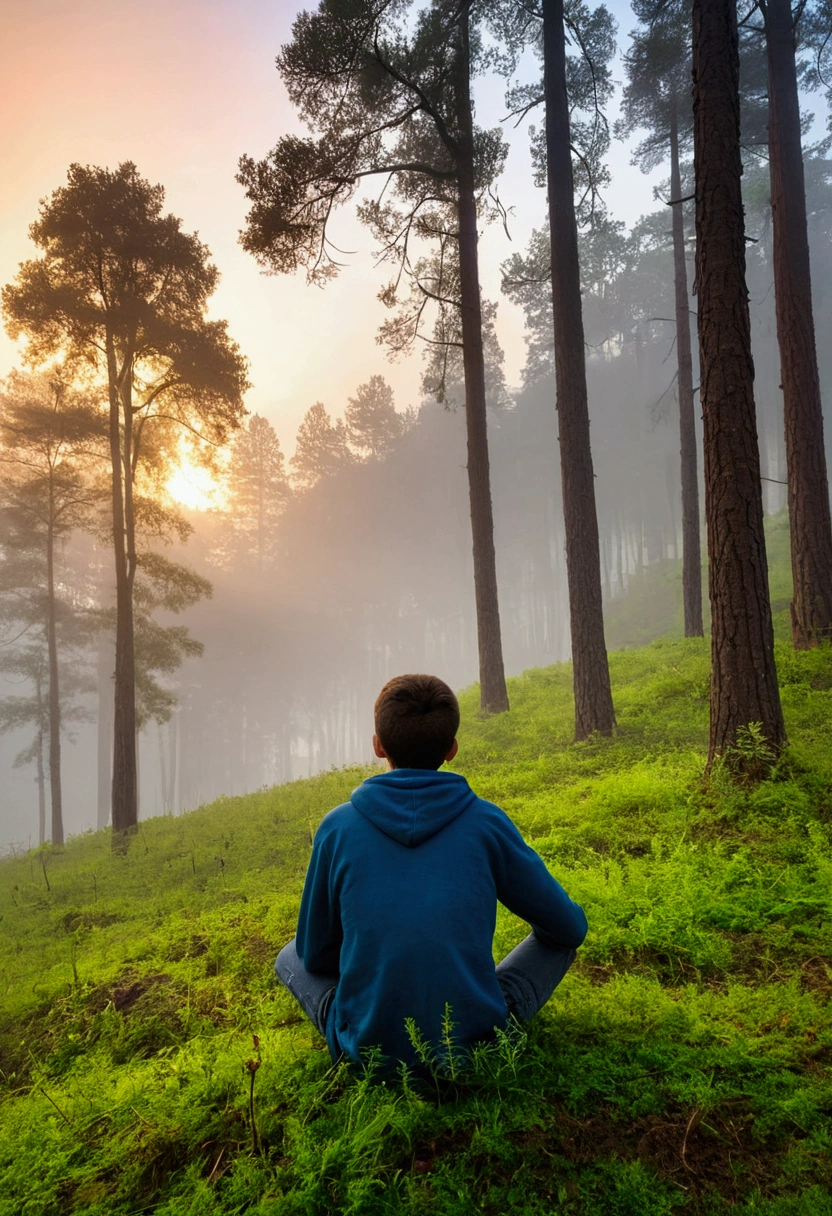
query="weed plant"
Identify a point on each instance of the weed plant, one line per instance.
(149, 1062)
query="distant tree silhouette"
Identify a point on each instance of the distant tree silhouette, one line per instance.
(657, 98)
(258, 491)
(121, 292)
(31, 709)
(321, 448)
(373, 425)
(50, 437)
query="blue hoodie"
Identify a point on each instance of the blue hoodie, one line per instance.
(400, 901)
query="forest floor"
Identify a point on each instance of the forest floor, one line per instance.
(684, 1065)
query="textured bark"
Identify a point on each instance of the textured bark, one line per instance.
(591, 677)
(54, 682)
(743, 677)
(808, 489)
(691, 571)
(125, 792)
(493, 693)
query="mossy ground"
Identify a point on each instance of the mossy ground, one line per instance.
(683, 1066)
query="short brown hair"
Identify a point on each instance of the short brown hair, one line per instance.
(416, 719)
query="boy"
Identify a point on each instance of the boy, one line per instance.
(400, 900)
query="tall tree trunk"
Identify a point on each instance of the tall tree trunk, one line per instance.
(54, 688)
(124, 803)
(104, 680)
(163, 769)
(41, 784)
(493, 693)
(590, 670)
(743, 678)
(173, 764)
(809, 517)
(691, 571)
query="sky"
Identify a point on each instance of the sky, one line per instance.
(183, 88)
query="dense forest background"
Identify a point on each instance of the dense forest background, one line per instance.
(352, 561)
(266, 621)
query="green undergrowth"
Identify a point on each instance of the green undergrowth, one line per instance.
(150, 1064)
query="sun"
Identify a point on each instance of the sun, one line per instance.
(194, 486)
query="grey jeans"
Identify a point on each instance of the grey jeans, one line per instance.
(528, 976)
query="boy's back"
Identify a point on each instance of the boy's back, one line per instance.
(399, 906)
(401, 899)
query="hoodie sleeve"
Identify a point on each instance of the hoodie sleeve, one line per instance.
(527, 889)
(319, 933)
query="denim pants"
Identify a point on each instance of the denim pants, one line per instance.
(528, 976)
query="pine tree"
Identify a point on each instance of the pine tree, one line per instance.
(52, 443)
(657, 98)
(744, 689)
(810, 522)
(591, 677)
(573, 91)
(122, 292)
(258, 491)
(373, 426)
(388, 89)
(321, 449)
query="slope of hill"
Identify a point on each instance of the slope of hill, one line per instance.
(150, 1064)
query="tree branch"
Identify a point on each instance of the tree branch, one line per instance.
(425, 104)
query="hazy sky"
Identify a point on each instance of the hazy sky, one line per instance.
(183, 87)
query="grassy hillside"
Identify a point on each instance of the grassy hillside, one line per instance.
(683, 1066)
(652, 605)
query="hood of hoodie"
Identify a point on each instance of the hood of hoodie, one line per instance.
(412, 804)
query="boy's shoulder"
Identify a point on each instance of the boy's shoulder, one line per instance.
(345, 818)
(336, 820)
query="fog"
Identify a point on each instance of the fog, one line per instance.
(267, 619)
(367, 571)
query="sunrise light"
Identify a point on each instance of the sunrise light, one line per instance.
(194, 486)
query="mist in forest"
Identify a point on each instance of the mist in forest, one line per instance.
(362, 569)
(268, 619)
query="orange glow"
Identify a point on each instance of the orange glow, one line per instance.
(193, 486)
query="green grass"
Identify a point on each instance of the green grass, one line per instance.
(684, 1065)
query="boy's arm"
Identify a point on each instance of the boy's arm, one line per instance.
(527, 889)
(319, 933)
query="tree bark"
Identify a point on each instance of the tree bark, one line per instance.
(810, 526)
(743, 677)
(125, 793)
(493, 693)
(590, 670)
(691, 570)
(54, 685)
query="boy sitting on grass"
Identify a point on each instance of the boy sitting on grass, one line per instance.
(400, 900)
